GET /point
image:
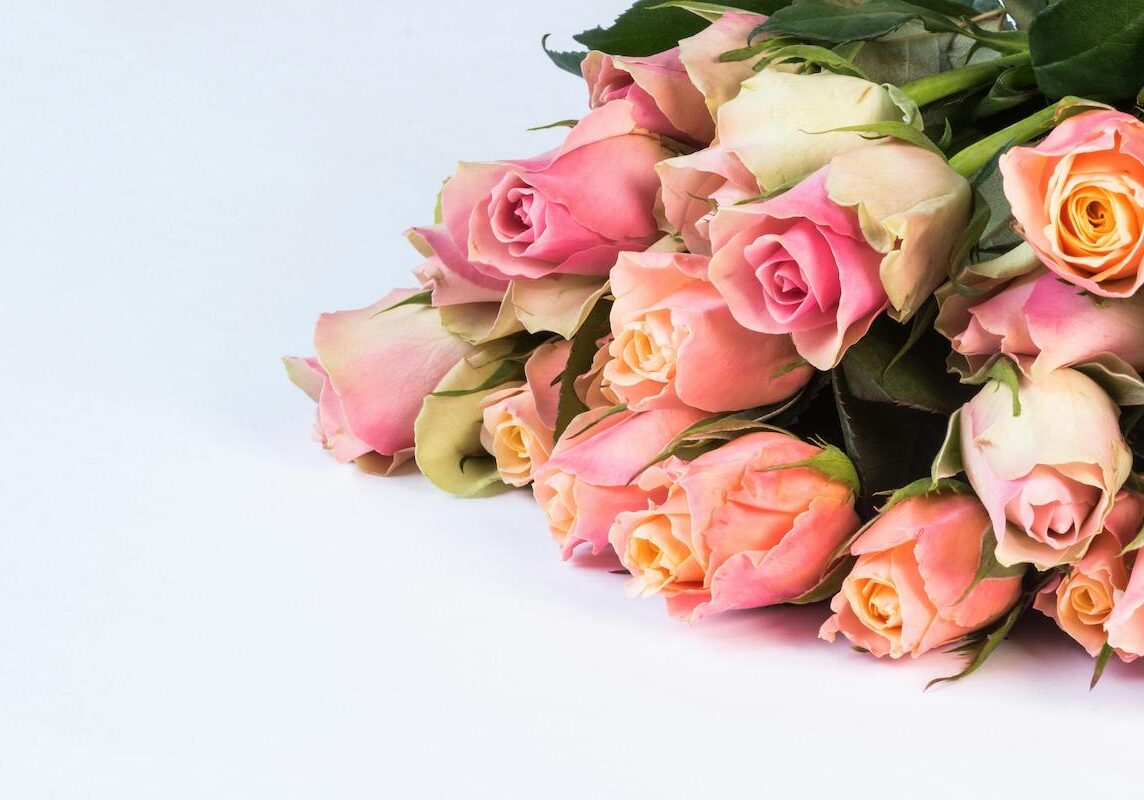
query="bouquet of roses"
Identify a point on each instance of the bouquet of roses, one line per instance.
(818, 300)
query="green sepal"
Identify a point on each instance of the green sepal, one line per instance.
(832, 462)
(891, 129)
(1101, 662)
(925, 487)
(419, 299)
(1005, 372)
(560, 123)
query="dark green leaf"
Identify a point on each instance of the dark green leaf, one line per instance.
(1023, 11)
(580, 355)
(567, 60)
(825, 22)
(1091, 48)
(1012, 88)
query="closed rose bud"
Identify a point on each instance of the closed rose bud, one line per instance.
(1043, 323)
(663, 98)
(373, 369)
(675, 342)
(753, 523)
(870, 231)
(912, 588)
(518, 422)
(590, 477)
(1082, 601)
(569, 211)
(1048, 474)
(1078, 197)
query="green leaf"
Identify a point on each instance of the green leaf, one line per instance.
(567, 60)
(580, 355)
(988, 566)
(1101, 662)
(1012, 88)
(560, 123)
(811, 55)
(508, 371)
(420, 299)
(982, 644)
(889, 446)
(1024, 11)
(830, 585)
(825, 22)
(947, 462)
(712, 11)
(891, 129)
(1092, 48)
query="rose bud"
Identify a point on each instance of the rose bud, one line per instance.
(694, 186)
(871, 230)
(664, 101)
(912, 588)
(518, 422)
(1042, 324)
(1046, 462)
(1081, 602)
(448, 274)
(1078, 198)
(753, 523)
(569, 211)
(373, 369)
(590, 477)
(675, 341)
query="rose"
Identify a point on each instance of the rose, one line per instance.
(768, 136)
(914, 586)
(592, 388)
(675, 341)
(755, 522)
(590, 477)
(1042, 324)
(1078, 198)
(448, 274)
(664, 101)
(1048, 469)
(1081, 602)
(518, 422)
(373, 369)
(872, 229)
(718, 80)
(1125, 624)
(567, 211)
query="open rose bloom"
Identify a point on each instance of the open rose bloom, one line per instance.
(914, 585)
(749, 285)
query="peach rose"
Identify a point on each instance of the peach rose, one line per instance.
(910, 589)
(373, 369)
(870, 231)
(1078, 197)
(1082, 601)
(1042, 324)
(569, 211)
(675, 341)
(664, 101)
(753, 523)
(588, 480)
(593, 389)
(518, 422)
(1049, 474)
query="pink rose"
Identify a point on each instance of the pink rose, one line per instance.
(1082, 601)
(749, 524)
(719, 81)
(1042, 324)
(589, 478)
(871, 230)
(518, 422)
(1125, 624)
(373, 369)
(664, 101)
(571, 210)
(1048, 475)
(593, 389)
(1078, 197)
(694, 186)
(909, 591)
(675, 341)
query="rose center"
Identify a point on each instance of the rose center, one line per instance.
(881, 607)
(648, 347)
(1090, 600)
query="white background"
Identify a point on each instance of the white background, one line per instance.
(195, 602)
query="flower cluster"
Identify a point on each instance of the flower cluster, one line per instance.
(708, 329)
